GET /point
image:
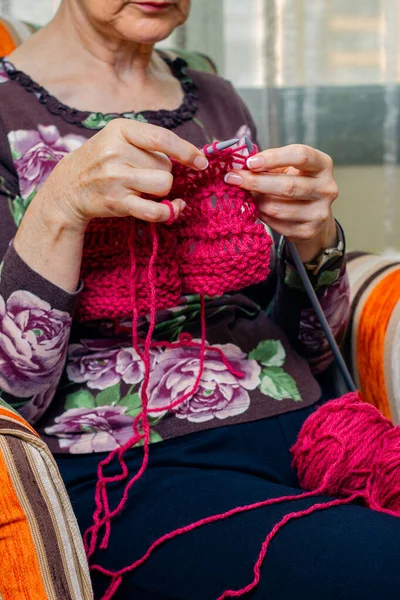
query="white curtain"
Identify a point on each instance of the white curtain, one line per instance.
(320, 72)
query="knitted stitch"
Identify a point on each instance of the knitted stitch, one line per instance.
(216, 246)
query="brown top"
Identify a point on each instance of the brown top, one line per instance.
(80, 384)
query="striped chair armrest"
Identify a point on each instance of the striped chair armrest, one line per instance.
(41, 549)
(374, 335)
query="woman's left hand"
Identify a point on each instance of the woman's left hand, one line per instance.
(294, 188)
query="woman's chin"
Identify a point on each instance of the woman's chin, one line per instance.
(145, 31)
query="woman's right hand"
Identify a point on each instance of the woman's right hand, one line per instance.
(109, 175)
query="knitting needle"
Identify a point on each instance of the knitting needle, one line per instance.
(249, 144)
(321, 316)
(223, 145)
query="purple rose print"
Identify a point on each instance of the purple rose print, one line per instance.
(336, 305)
(33, 343)
(95, 366)
(36, 153)
(129, 366)
(38, 404)
(220, 394)
(103, 363)
(96, 429)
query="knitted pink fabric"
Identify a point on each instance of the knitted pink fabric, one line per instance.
(216, 246)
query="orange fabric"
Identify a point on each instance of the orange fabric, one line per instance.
(7, 413)
(7, 44)
(374, 320)
(20, 572)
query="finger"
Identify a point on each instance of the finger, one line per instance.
(292, 231)
(302, 157)
(143, 159)
(147, 181)
(273, 207)
(157, 139)
(290, 187)
(149, 210)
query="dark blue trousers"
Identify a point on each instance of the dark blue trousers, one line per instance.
(343, 553)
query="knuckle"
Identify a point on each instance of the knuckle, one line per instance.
(272, 157)
(107, 152)
(253, 182)
(112, 208)
(159, 138)
(152, 213)
(163, 183)
(113, 126)
(164, 163)
(108, 171)
(273, 210)
(289, 187)
(302, 155)
(333, 191)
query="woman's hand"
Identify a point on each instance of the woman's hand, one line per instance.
(112, 172)
(109, 176)
(294, 188)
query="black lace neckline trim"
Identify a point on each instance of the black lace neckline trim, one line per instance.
(95, 120)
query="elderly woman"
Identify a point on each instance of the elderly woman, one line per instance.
(91, 115)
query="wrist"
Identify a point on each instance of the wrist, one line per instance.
(48, 215)
(310, 250)
(50, 244)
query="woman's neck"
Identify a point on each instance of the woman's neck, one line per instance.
(92, 71)
(97, 48)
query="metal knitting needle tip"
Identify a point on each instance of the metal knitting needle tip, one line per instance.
(249, 144)
(223, 145)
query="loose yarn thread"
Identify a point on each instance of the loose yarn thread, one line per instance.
(139, 272)
(345, 449)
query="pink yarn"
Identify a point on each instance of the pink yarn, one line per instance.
(337, 446)
(345, 449)
(384, 482)
(217, 245)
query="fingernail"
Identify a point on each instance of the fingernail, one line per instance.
(183, 204)
(255, 162)
(233, 179)
(200, 162)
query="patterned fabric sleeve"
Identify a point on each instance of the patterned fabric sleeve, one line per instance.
(292, 310)
(35, 315)
(41, 551)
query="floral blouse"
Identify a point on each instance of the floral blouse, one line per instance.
(79, 384)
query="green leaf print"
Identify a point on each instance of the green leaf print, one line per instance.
(278, 384)
(109, 397)
(80, 399)
(133, 403)
(97, 120)
(154, 438)
(269, 353)
(328, 277)
(18, 207)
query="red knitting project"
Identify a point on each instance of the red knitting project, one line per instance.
(216, 246)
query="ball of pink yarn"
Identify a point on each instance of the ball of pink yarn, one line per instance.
(384, 483)
(336, 447)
